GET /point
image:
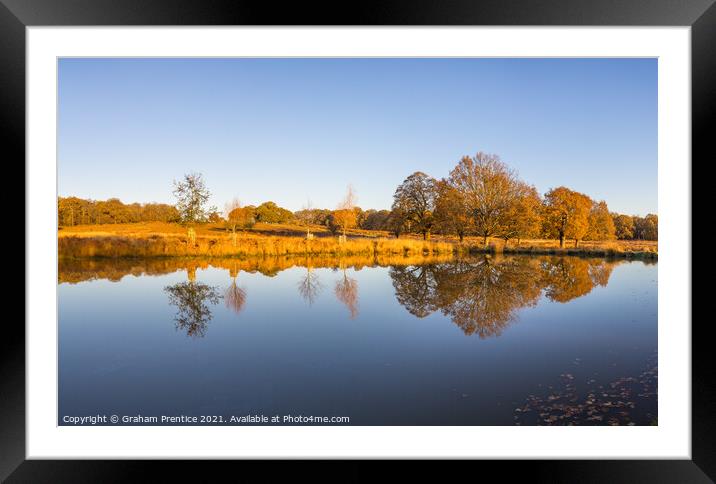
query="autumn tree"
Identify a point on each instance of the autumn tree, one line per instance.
(78, 211)
(345, 216)
(488, 187)
(342, 220)
(646, 228)
(242, 217)
(523, 217)
(70, 211)
(566, 214)
(601, 225)
(192, 195)
(238, 217)
(229, 207)
(451, 215)
(415, 197)
(623, 226)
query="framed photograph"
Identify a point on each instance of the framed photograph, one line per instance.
(418, 232)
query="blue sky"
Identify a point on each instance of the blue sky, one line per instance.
(290, 130)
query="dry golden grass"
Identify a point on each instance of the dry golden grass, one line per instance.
(134, 243)
(158, 239)
(164, 228)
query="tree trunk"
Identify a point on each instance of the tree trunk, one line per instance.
(461, 237)
(484, 240)
(561, 240)
(518, 241)
(576, 242)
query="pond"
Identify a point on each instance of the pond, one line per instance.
(492, 340)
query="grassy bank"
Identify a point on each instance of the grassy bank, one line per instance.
(605, 249)
(170, 240)
(224, 246)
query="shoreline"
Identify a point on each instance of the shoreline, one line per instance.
(160, 246)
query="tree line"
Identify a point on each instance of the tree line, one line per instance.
(481, 197)
(77, 211)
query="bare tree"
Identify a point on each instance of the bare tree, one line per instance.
(304, 217)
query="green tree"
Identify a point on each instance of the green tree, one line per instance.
(192, 195)
(396, 222)
(269, 212)
(376, 220)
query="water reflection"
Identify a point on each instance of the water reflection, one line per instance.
(235, 297)
(192, 300)
(309, 287)
(483, 296)
(347, 292)
(566, 278)
(415, 288)
(84, 269)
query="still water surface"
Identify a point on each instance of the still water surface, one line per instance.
(485, 341)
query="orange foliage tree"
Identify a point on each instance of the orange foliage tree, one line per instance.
(566, 214)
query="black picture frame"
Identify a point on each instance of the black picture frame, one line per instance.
(16, 15)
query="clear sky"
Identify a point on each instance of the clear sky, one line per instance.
(290, 130)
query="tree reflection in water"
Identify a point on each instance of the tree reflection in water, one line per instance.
(415, 288)
(309, 287)
(192, 299)
(347, 292)
(566, 278)
(234, 296)
(482, 296)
